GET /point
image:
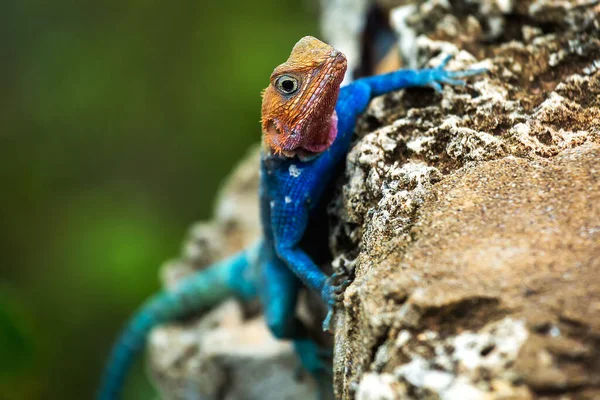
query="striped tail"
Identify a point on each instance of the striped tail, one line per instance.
(199, 292)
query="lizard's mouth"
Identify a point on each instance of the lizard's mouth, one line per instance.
(306, 144)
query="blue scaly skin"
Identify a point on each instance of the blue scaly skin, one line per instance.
(308, 121)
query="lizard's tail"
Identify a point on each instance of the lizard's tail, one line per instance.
(196, 293)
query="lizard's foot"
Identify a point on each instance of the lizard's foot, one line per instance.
(440, 75)
(333, 293)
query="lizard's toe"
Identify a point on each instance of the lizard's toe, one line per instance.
(436, 86)
(339, 290)
(327, 320)
(333, 294)
(341, 287)
(445, 61)
(440, 75)
(455, 82)
(466, 73)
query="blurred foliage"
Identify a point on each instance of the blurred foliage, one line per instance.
(118, 121)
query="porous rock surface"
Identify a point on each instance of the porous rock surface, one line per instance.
(471, 220)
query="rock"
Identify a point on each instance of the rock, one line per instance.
(471, 220)
(498, 288)
(224, 356)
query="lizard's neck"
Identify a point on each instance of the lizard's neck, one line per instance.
(326, 136)
(321, 134)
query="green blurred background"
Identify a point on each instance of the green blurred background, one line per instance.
(118, 119)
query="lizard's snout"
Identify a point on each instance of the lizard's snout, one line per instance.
(339, 57)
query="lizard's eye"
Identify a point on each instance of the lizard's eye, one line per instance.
(286, 84)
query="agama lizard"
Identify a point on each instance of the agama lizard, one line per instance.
(307, 124)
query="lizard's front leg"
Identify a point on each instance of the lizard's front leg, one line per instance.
(330, 288)
(433, 77)
(290, 219)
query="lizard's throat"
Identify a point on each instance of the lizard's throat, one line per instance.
(305, 143)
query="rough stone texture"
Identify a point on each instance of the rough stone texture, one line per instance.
(497, 294)
(471, 220)
(225, 356)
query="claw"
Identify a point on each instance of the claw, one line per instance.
(327, 321)
(337, 275)
(338, 297)
(436, 86)
(445, 61)
(333, 294)
(466, 73)
(339, 289)
(455, 82)
(440, 75)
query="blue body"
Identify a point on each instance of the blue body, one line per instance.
(277, 269)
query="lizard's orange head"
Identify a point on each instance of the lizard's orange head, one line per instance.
(298, 107)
